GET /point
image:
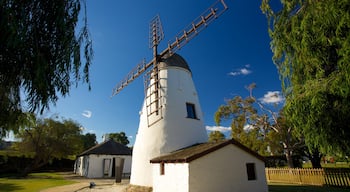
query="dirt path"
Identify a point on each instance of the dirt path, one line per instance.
(84, 183)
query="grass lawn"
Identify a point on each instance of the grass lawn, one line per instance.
(33, 183)
(281, 187)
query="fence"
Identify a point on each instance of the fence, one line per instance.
(330, 177)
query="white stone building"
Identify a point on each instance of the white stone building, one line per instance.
(100, 161)
(224, 166)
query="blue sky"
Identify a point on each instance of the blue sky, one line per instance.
(231, 53)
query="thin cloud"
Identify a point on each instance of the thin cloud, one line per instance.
(218, 128)
(87, 114)
(243, 71)
(272, 97)
(248, 127)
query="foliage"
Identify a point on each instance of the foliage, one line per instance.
(46, 139)
(89, 140)
(40, 55)
(33, 183)
(119, 137)
(247, 126)
(216, 136)
(265, 132)
(311, 47)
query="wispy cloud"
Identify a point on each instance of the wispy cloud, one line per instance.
(272, 97)
(248, 127)
(218, 128)
(242, 71)
(87, 114)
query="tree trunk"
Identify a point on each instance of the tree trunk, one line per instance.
(289, 159)
(316, 157)
(36, 163)
(288, 152)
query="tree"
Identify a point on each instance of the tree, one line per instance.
(89, 140)
(40, 55)
(265, 132)
(46, 139)
(216, 136)
(245, 127)
(310, 41)
(119, 137)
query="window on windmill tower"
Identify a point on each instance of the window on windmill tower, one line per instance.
(191, 111)
(251, 171)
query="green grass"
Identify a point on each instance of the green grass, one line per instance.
(281, 187)
(33, 183)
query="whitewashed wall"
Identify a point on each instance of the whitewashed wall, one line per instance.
(174, 131)
(91, 166)
(175, 178)
(224, 170)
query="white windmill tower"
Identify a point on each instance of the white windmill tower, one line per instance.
(171, 117)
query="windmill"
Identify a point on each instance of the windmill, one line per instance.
(165, 125)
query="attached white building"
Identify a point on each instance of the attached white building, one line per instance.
(100, 160)
(224, 166)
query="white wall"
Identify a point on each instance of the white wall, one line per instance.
(175, 178)
(91, 166)
(224, 170)
(174, 131)
(78, 166)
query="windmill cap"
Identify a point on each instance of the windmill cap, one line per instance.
(174, 60)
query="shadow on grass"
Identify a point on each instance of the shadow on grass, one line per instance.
(9, 187)
(302, 188)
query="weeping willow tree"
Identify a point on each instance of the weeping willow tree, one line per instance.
(40, 55)
(310, 40)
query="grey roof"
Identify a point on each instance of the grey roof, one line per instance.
(196, 151)
(174, 60)
(109, 147)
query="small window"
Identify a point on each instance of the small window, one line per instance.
(191, 111)
(251, 171)
(162, 171)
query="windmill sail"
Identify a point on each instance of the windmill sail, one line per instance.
(183, 37)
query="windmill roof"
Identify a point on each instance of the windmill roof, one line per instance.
(109, 147)
(174, 60)
(194, 152)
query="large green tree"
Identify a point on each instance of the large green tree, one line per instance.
(119, 137)
(46, 139)
(89, 140)
(40, 55)
(246, 125)
(310, 41)
(258, 127)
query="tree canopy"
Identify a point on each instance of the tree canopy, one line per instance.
(119, 137)
(216, 136)
(310, 41)
(89, 140)
(258, 127)
(40, 55)
(246, 125)
(46, 139)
